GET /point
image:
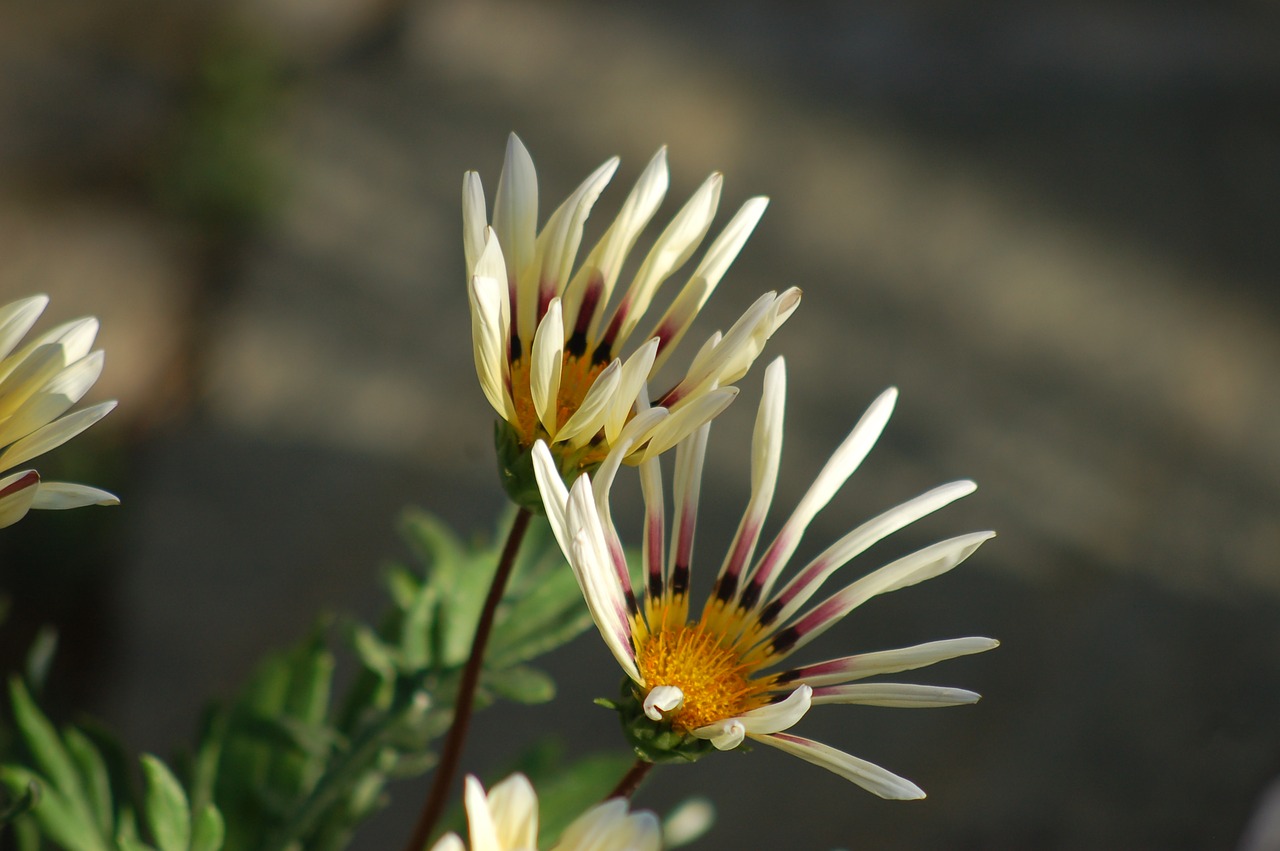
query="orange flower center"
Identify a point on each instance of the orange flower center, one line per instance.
(712, 678)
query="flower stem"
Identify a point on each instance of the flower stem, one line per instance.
(451, 754)
(631, 780)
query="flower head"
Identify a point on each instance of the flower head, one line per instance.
(506, 819)
(698, 684)
(553, 355)
(38, 384)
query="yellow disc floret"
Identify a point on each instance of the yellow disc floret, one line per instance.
(712, 678)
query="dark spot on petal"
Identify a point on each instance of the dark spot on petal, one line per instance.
(770, 613)
(725, 587)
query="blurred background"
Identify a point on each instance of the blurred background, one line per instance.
(1052, 225)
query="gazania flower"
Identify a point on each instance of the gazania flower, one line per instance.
(554, 358)
(506, 819)
(703, 683)
(38, 384)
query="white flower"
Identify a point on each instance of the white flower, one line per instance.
(38, 384)
(705, 679)
(506, 819)
(549, 347)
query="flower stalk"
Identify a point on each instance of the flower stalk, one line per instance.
(451, 754)
(631, 781)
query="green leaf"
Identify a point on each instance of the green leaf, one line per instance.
(14, 804)
(208, 831)
(433, 543)
(552, 614)
(521, 684)
(59, 817)
(416, 629)
(375, 654)
(204, 766)
(129, 843)
(168, 815)
(96, 777)
(50, 757)
(403, 585)
(40, 657)
(26, 835)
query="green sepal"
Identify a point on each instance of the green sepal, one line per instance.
(515, 467)
(655, 741)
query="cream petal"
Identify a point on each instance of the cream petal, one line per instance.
(63, 495)
(31, 372)
(514, 806)
(686, 420)
(711, 361)
(608, 256)
(688, 822)
(515, 208)
(724, 735)
(898, 695)
(17, 493)
(53, 435)
(807, 582)
(635, 431)
(869, 776)
(480, 823)
(923, 564)
(742, 357)
(597, 575)
(474, 220)
(865, 665)
(555, 496)
(691, 455)
(766, 457)
(693, 296)
(51, 401)
(449, 842)
(635, 372)
(776, 717)
(16, 319)
(834, 474)
(489, 341)
(608, 827)
(670, 251)
(661, 700)
(545, 365)
(643, 833)
(583, 424)
(729, 243)
(557, 246)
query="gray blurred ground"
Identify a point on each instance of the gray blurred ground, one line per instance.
(1052, 226)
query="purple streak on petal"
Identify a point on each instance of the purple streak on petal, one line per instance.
(615, 324)
(745, 543)
(546, 292)
(26, 480)
(769, 562)
(656, 534)
(807, 577)
(835, 666)
(820, 617)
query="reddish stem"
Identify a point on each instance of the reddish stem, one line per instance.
(631, 780)
(451, 755)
